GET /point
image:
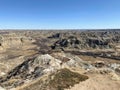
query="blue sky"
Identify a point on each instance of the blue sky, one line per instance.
(59, 14)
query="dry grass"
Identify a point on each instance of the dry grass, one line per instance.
(65, 78)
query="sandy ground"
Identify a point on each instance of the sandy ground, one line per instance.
(97, 82)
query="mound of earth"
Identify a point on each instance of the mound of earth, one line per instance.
(38, 66)
(63, 78)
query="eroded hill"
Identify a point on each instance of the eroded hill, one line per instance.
(38, 60)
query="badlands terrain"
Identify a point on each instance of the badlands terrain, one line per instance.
(60, 60)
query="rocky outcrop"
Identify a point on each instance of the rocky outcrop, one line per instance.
(37, 67)
(94, 43)
(13, 49)
(12, 40)
(71, 42)
(57, 35)
(87, 40)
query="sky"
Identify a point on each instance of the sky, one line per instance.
(59, 14)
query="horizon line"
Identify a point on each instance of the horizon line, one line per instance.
(66, 29)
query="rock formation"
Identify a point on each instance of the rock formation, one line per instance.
(59, 60)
